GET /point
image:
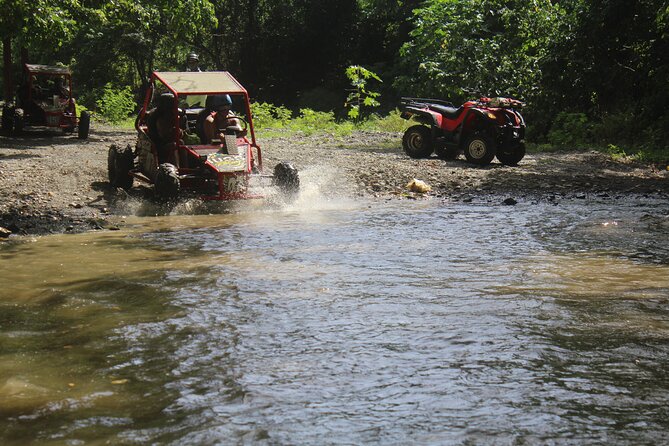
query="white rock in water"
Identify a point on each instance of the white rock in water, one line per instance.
(16, 387)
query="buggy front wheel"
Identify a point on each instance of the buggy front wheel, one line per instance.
(167, 184)
(417, 141)
(119, 164)
(286, 179)
(84, 125)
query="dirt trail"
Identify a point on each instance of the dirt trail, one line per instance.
(56, 183)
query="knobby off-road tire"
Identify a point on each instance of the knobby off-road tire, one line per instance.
(286, 179)
(479, 149)
(417, 141)
(512, 154)
(84, 125)
(19, 121)
(167, 185)
(119, 164)
(7, 120)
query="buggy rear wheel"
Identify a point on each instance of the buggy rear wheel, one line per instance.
(167, 184)
(119, 165)
(286, 179)
(512, 154)
(7, 119)
(479, 149)
(18, 121)
(84, 125)
(417, 141)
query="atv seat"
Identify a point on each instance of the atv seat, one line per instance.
(446, 111)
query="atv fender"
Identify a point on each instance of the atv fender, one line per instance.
(477, 120)
(427, 117)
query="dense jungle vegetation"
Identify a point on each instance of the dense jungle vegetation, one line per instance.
(593, 73)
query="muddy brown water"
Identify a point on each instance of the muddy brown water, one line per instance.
(345, 322)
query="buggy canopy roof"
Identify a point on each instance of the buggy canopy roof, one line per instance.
(47, 69)
(207, 82)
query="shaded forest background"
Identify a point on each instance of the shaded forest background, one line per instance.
(590, 71)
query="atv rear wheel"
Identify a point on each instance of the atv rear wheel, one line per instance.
(479, 149)
(417, 141)
(119, 165)
(167, 182)
(286, 179)
(84, 125)
(512, 154)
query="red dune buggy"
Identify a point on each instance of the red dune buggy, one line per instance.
(482, 129)
(173, 152)
(44, 99)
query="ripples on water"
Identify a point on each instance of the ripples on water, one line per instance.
(348, 323)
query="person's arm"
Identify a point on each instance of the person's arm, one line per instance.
(209, 127)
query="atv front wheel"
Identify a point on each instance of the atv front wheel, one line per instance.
(119, 164)
(417, 141)
(167, 182)
(286, 179)
(84, 125)
(512, 154)
(479, 149)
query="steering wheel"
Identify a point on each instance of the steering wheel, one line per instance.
(243, 123)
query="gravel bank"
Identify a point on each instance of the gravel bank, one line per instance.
(57, 183)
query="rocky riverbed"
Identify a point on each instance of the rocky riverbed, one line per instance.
(57, 183)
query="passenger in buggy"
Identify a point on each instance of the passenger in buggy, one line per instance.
(161, 128)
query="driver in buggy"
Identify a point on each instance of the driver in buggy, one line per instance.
(220, 119)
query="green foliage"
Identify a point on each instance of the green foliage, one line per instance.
(310, 121)
(570, 129)
(360, 96)
(266, 115)
(389, 123)
(606, 60)
(116, 104)
(80, 109)
(460, 48)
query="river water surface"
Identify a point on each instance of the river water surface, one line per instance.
(399, 322)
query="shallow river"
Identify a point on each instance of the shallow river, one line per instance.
(400, 322)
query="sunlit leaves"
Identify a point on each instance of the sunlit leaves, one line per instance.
(462, 47)
(361, 95)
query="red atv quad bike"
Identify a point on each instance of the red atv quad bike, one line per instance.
(185, 161)
(44, 99)
(482, 129)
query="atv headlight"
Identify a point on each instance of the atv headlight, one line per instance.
(492, 116)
